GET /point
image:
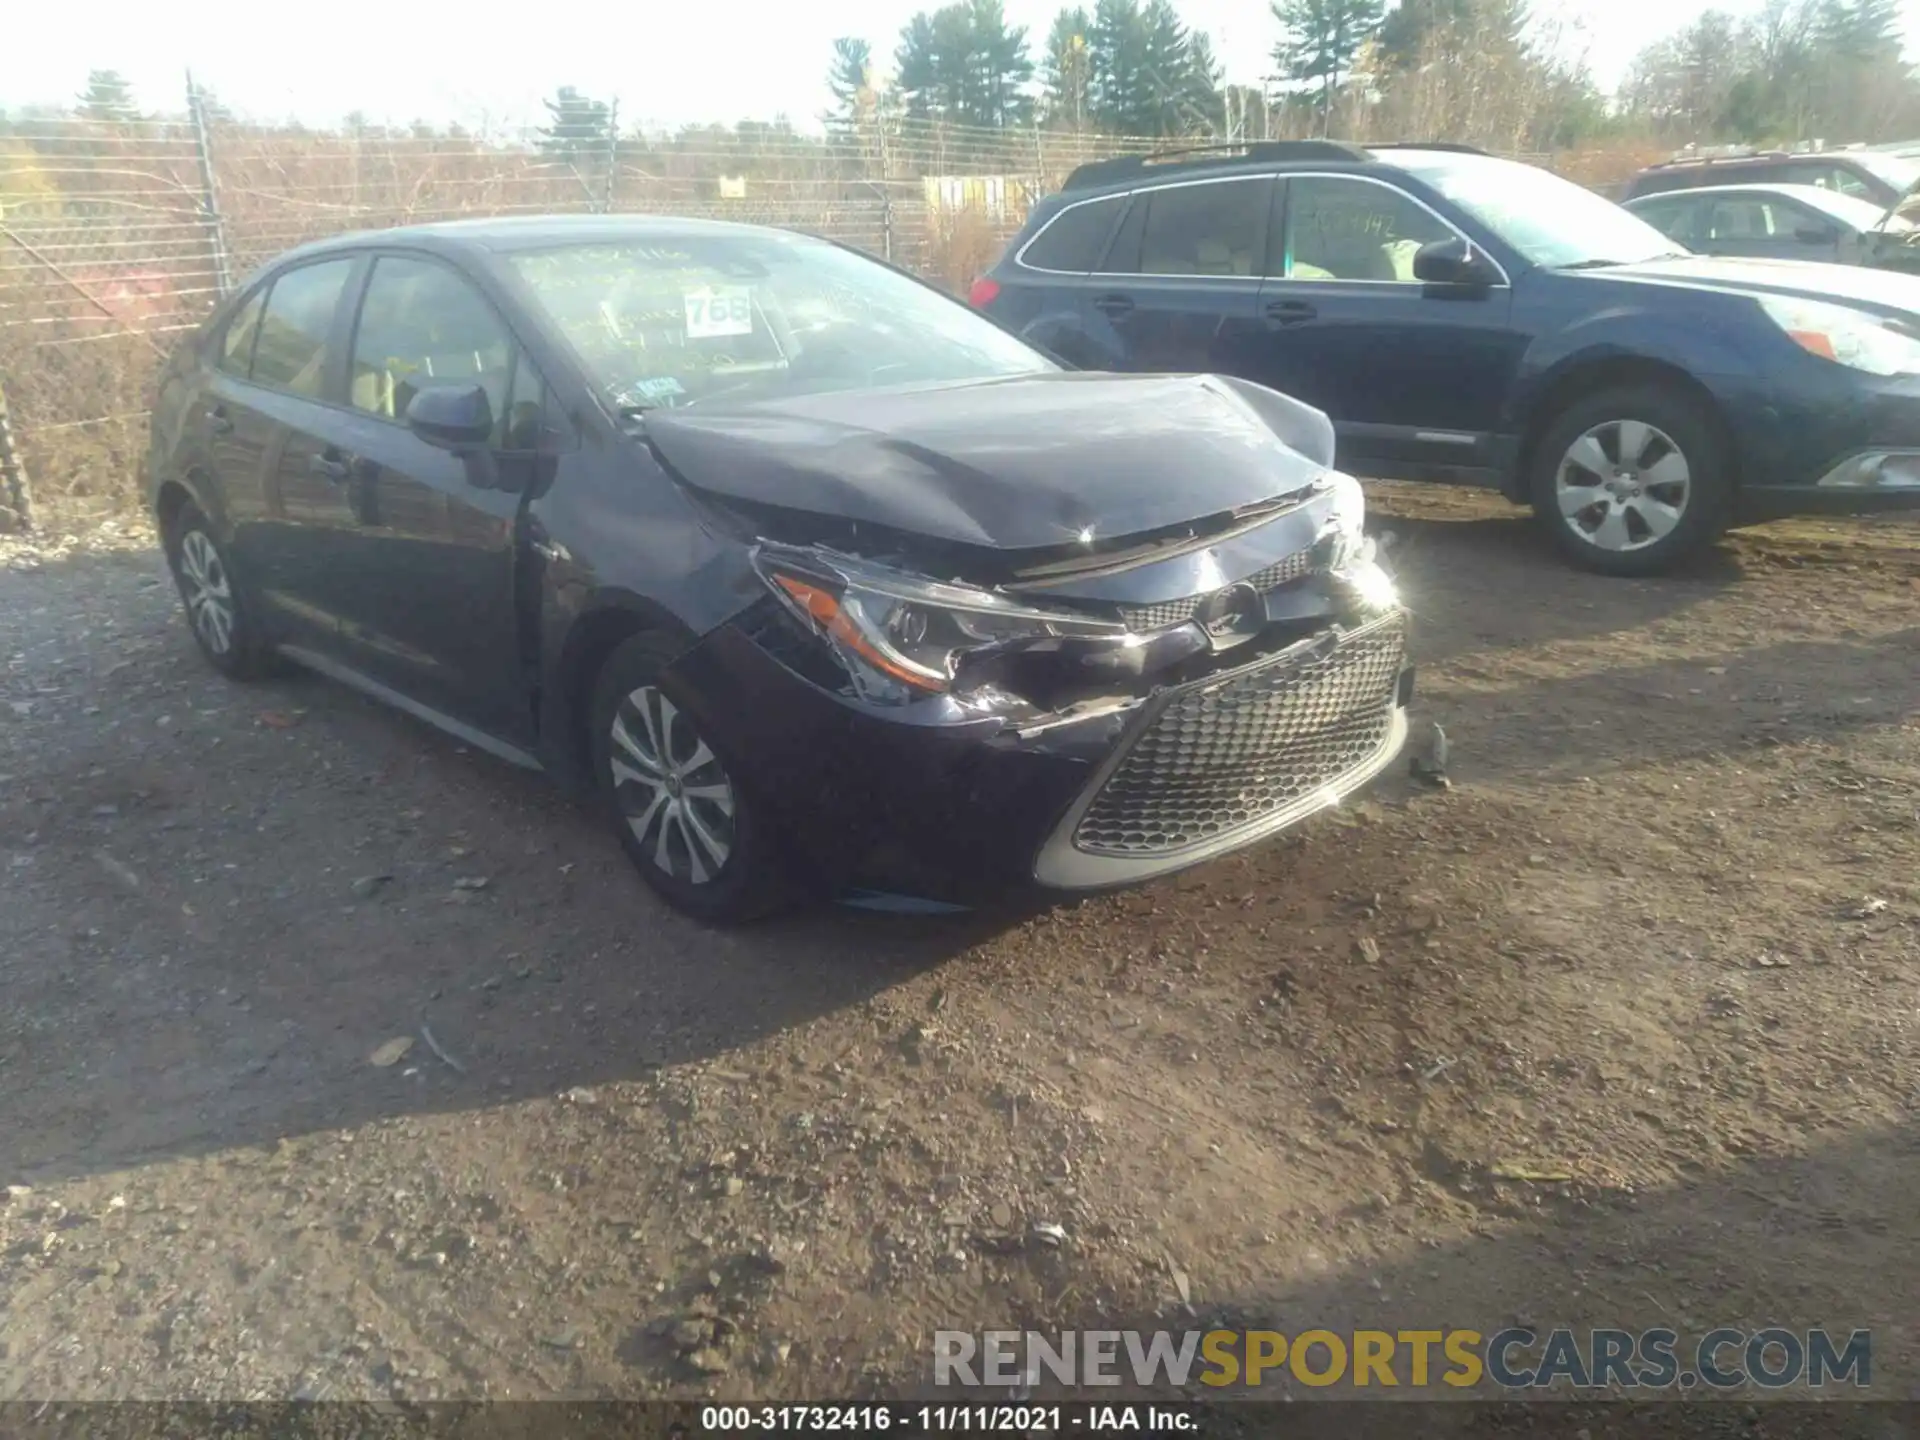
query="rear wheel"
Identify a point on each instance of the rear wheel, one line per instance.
(1631, 481)
(215, 602)
(677, 805)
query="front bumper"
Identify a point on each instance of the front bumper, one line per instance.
(978, 810)
(1825, 440)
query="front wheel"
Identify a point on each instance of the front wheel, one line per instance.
(677, 804)
(1631, 481)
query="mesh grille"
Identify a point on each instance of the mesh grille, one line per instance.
(1217, 759)
(1177, 612)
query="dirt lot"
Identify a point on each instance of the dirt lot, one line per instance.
(1663, 934)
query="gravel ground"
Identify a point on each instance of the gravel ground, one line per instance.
(336, 1060)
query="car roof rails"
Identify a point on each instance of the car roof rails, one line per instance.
(1452, 147)
(1262, 152)
(1719, 154)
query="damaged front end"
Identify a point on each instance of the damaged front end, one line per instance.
(1206, 691)
(1057, 634)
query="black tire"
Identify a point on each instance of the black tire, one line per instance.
(750, 879)
(219, 613)
(1614, 535)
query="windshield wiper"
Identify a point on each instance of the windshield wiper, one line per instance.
(1600, 264)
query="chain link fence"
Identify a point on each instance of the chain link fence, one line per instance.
(118, 236)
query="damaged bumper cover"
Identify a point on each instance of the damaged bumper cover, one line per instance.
(1068, 762)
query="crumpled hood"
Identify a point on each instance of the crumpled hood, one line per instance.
(1884, 291)
(1030, 462)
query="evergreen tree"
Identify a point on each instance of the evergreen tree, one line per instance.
(1122, 100)
(848, 79)
(575, 124)
(1319, 39)
(1064, 72)
(108, 97)
(964, 64)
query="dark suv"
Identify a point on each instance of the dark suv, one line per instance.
(1466, 318)
(1872, 175)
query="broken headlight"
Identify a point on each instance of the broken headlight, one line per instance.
(901, 636)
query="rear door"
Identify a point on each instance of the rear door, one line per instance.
(287, 541)
(237, 431)
(1046, 293)
(432, 614)
(1179, 289)
(1413, 376)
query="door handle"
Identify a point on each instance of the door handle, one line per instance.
(1114, 307)
(328, 467)
(218, 421)
(1290, 312)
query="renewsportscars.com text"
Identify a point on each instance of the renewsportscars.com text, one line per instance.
(1514, 1359)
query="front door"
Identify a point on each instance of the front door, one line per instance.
(1413, 376)
(434, 611)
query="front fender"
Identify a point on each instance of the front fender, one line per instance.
(1623, 335)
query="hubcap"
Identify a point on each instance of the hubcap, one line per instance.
(673, 792)
(209, 595)
(1623, 485)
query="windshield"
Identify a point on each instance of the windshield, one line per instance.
(1899, 171)
(680, 319)
(1860, 214)
(1553, 222)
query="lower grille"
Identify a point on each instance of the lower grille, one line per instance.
(1144, 618)
(1216, 759)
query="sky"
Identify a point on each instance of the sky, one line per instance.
(667, 64)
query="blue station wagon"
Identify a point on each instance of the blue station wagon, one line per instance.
(1465, 318)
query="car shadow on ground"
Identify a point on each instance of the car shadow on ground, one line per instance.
(1827, 1239)
(1460, 579)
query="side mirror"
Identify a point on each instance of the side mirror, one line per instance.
(453, 417)
(1453, 262)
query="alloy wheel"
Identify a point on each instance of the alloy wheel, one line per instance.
(1623, 485)
(209, 593)
(672, 790)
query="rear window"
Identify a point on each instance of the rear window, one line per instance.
(1073, 239)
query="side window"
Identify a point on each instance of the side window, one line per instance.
(421, 324)
(1075, 238)
(1213, 228)
(1338, 229)
(1673, 218)
(291, 351)
(1829, 176)
(236, 345)
(1741, 220)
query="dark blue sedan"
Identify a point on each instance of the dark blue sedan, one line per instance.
(1471, 319)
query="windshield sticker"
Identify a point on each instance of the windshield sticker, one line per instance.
(653, 391)
(719, 310)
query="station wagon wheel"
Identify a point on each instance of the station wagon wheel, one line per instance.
(676, 800)
(1629, 481)
(1624, 485)
(214, 598)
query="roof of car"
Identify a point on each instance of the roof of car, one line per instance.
(532, 232)
(1201, 162)
(1811, 193)
(1754, 157)
(1849, 208)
